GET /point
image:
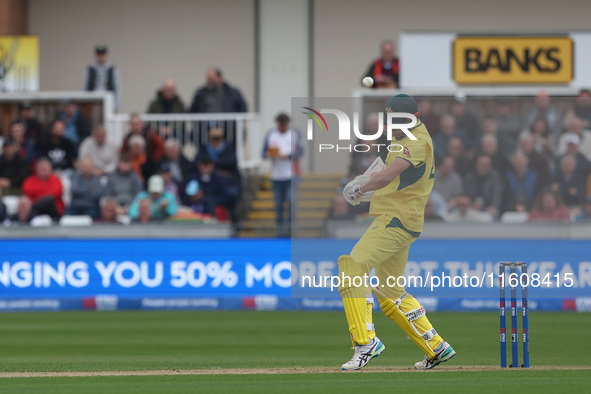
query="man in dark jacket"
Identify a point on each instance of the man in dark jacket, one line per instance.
(77, 125)
(167, 101)
(13, 169)
(87, 191)
(483, 185)
(205, 190)
(60, 151)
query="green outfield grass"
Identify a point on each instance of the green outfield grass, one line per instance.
(135, 340)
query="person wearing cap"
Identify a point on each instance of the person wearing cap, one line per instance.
(577, 134)
(205, 190)
(33, 129)
(543, 107)
(162, 202)
(385, 70)
(283, 146)
(402, 190)
(77, 124)
(103, 76)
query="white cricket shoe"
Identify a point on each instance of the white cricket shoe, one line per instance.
(443, 353)
(363, 354)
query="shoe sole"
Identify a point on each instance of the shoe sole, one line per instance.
(376, 354)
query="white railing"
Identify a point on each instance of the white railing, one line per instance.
(241, 129)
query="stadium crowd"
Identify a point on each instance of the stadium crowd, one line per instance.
(504, 167)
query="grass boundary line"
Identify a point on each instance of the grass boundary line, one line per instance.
(279, 371)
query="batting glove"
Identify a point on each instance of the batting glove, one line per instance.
(352, 192)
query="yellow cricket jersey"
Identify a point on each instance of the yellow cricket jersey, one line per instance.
(406, 196)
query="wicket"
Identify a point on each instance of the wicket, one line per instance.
(514, 280)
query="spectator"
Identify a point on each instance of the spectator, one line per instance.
(44, 189)
(123, 184)
(448, 183)
(283, 146)
(521, 185)
(226, 165)
(141, 163)
(24, 211)
(586, 210)
(25, 148)
(180, 166)
(103, 76)
(455, 149)
(145, 212)
(170, 185)
(385, 70)
(537, 162)
(13, 168)
(582, 109)
(429, 118)
(490, 126)
(430, 215)
(509, 126)
(573, 142)
(576, 128)
(549, 208)
(466, 214)
(543, 108)
(568, 182)
(3, 213)
(205, 190)
(483, 185)
(162, 203)
(59, 150)
(104, 154)
(490, 148)
(87, 191)
(167, 101)
(154, 145)
(448, 130)
(109, 211)
(33, 129)
(541, 137)
(77, 125)
(466, 121)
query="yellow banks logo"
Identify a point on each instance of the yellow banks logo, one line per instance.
(513, 60)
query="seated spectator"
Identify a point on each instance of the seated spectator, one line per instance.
(430, 215)
(549, 208)
(540, 133)
(490, 148)
(455, 150)
(3, 213)
(575, 132)
(543, 108)
(448, 183)
(582, 109)
(429, 118)
(104, 154)
(33, 129)
(205, 190)
(466, 214)
(145, 212)
(170, 185)
(25, 148)
(87, 191)
(386, 68)
(24, 211)
(44, 189)
(466, 121)
(167, 101)
(226, 165)
(77, 125)
(537, 162)
(154, 145)
(141, 163)
(447, 131)
(180, 167)
(568, 182)
(109, 211)
(59, 150)
(483, 185)
(13, 168)
(572, 148)
(509, 126)
(489, 126)
(162, 203)
(585, 211)
(521, 185)
(123, 184)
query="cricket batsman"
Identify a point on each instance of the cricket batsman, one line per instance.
(401, 193)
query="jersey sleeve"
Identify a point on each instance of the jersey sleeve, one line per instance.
(415, 152)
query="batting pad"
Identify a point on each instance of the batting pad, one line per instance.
(358, 305)
(410, 316)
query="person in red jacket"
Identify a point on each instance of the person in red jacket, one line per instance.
(385, 70)
(45, 190)
(549, 208)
